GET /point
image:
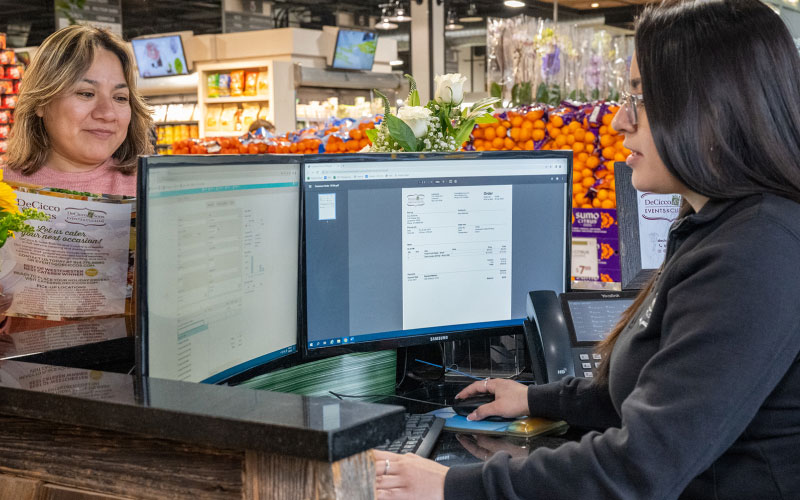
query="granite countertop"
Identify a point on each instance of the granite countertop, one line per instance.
(318, 428)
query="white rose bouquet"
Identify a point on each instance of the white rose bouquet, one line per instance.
(441, 125)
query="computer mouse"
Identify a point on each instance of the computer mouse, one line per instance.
(466, 406)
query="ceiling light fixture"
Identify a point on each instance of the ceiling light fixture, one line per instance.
(396, 62)
(399, 15)
(472, 15)
(595, 5)
(514, 3)
(385, 23)
(452, 21)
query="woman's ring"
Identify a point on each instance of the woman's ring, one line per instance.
(485, 383)
(386, 469)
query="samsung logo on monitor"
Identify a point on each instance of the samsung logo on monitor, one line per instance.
(438, 338)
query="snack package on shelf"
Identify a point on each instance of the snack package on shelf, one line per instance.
(224, 85)
(8, 56)
(250, 83)
(263, 113)
(263, 83)
(227, 119)
(212, 84)
(237, 83)
(14, 72)
(249, 115)
(213, 116)
(9, 101)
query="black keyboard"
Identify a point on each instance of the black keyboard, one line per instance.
(420, 435)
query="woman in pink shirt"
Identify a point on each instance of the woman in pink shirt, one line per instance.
(80, 124)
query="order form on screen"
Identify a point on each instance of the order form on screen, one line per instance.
(429, 246)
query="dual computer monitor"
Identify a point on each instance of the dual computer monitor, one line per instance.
(245, 262)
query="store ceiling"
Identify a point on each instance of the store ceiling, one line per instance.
(28, 22)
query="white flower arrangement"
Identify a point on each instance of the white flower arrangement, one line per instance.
(441, 125)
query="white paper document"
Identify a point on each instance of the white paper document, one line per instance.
(456, 255)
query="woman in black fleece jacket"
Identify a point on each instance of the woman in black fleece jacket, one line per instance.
(699, 396)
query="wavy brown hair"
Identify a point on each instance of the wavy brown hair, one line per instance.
(721, 85)
(63, 58)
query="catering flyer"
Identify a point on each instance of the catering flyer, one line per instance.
(76, 265)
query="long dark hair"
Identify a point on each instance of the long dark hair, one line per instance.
(721, 85)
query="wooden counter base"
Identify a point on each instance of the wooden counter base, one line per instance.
(45, 460)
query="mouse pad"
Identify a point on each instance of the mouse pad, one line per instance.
(525, 427)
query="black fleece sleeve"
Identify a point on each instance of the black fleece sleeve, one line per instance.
(578, 401)
(729, 333)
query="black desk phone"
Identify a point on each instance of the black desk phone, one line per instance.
(562, 330)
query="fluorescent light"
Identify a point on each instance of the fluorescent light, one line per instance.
(453, 27)
(514, 3)
(595, 5)
(396, 62)
(470, 19)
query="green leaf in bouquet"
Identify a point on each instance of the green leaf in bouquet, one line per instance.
(463, 132)
(402, 133)
(387, 110)
(372, 133)
(413, 94)
(485, 119)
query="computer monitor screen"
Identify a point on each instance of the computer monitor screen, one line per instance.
(355, 49)
(592, 315)
(160, 56)
(408, 249)
(217, 264)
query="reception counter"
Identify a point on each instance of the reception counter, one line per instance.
(71, 433)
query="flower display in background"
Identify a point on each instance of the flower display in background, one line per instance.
(438, 126)
(11, 218)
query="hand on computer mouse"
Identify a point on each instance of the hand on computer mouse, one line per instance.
(510, 398)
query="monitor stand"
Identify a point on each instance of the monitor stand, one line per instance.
(466, 361)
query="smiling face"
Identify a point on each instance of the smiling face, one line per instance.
(89, 121)
(649, 172)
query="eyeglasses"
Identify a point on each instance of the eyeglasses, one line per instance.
(632, 103)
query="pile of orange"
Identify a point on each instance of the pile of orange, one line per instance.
(595, 144)
(515, 131)
(355, 140)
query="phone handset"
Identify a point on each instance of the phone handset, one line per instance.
(547, 337)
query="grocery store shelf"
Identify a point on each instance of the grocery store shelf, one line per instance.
(223, 100)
